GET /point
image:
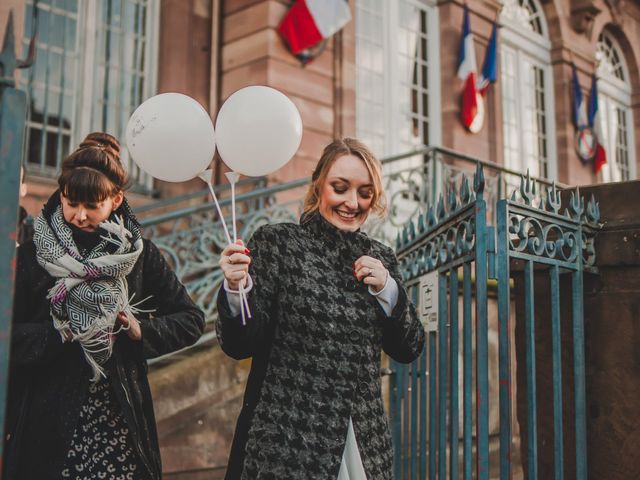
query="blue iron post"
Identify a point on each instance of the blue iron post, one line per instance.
(13, 114)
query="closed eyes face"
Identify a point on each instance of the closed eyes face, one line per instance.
(88, 216)
(347, 193)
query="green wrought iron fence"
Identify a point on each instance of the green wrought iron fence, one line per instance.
(13, 113)
(451, 242)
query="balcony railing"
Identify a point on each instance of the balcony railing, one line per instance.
(191, 236)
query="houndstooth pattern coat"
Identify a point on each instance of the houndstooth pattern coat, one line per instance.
(315, 339)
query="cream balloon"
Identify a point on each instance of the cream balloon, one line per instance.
(258, 130)
(171, 137)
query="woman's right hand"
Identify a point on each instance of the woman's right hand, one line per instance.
(234, 262)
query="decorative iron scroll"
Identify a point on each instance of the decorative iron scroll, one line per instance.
(194, 244)
(411, 188)
(452, 225)
(546, 231)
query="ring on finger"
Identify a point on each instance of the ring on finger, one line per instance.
(229, 260)
(370, 272)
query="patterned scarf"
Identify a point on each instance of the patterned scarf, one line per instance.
(91, 288)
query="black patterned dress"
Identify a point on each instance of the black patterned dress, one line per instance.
(101, 447)
(315, 339)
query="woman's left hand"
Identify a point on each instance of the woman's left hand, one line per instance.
(128, 321)
(371, 271)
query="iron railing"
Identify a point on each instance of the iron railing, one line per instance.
(452, 243)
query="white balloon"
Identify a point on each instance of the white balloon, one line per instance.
(258, 130)
(171, 137)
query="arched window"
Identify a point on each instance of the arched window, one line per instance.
(527, 89)
(396, 74)
(614, 95)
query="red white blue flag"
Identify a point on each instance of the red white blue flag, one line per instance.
(580, 119)
(489, 72)
(467, 73)
(309, 23)
(595, 122)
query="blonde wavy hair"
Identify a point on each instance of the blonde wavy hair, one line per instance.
(335, 150)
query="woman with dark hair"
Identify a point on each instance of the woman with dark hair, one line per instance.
(94, 301)
(325, 300)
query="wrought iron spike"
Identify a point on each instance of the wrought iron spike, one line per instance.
(543, 204)
(8, 61)
(525, 189)
(513, 196)
(464, 190)
(441, 210)
(576, 205)
(412, 230)
(431, 217)
(405, 236)
(554, 199)
(398, 241)
(421, 224)
(573, 206)
(478, 180)
(452, 202)
(592, 211)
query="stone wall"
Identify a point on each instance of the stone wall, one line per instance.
(612, 328)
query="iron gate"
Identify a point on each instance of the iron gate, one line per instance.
(452, 260)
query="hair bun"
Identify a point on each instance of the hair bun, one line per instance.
(104, 141)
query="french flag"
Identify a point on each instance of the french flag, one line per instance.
(595, 122)
(309, 22)
(467, 73)
(580, 119)
(489, 72)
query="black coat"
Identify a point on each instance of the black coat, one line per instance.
(315, 337)
(50, 379)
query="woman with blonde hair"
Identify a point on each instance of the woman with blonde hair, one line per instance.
(93, 301)
(325, 300)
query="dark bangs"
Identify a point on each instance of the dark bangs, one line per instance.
(86, 185)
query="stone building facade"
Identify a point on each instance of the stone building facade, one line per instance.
(388, 77)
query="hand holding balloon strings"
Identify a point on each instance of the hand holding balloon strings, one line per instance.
(206, 177)
(233, 179)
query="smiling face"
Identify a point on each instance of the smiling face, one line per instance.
(87, 216)
(347, 193)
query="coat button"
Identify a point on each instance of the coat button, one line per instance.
(354, 336)
(363, 387)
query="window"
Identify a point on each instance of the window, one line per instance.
(93, 67)
(396, 94)
(527, 90)
(397, 97)
(614, 95)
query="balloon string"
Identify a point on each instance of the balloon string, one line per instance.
(224, 224)
(243, 293)
(233, 210)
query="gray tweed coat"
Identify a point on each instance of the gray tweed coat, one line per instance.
(315, 338)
